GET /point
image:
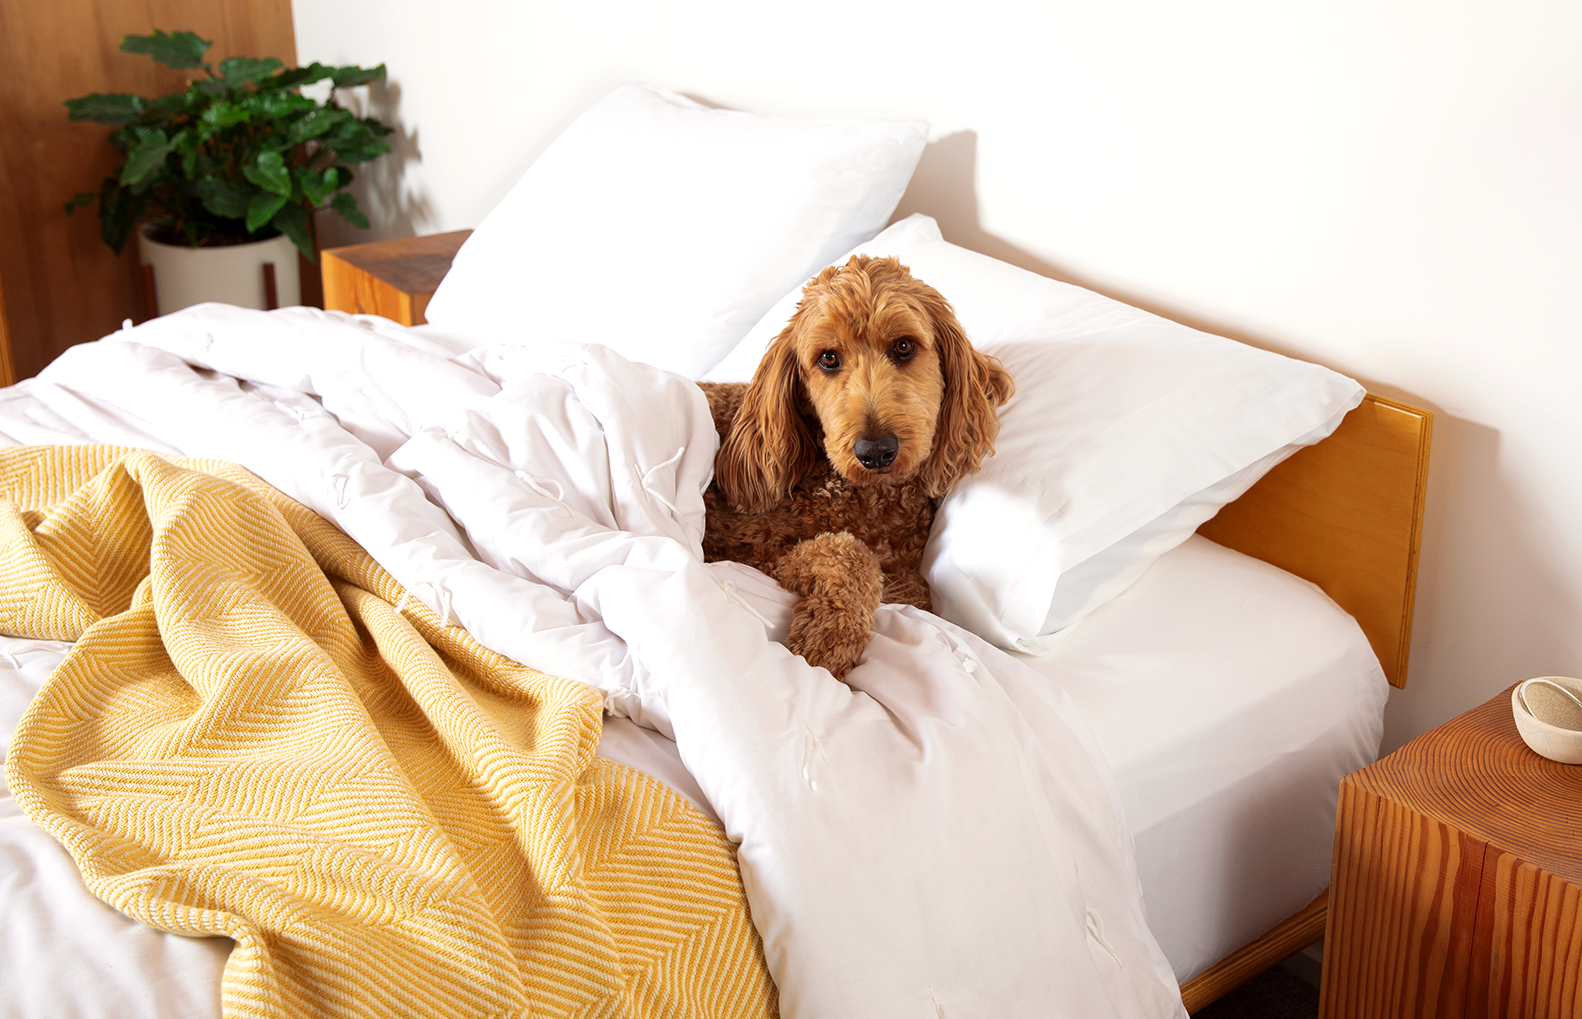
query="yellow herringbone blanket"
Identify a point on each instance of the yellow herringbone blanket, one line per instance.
(249, 740)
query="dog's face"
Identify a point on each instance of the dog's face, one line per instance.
(874, 372)
(870, 370)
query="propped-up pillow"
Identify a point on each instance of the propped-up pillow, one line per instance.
(1126, 432)
(665, 229)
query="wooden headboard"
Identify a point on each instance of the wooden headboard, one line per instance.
(1347, 514)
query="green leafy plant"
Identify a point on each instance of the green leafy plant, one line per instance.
(238, 156)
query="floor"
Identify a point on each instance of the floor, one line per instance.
(1275, 994)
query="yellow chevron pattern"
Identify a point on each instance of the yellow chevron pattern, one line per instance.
(388, 818)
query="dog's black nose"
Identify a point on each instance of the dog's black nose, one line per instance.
(876, 453)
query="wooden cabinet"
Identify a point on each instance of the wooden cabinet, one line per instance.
(1457, 882)
(390, 278)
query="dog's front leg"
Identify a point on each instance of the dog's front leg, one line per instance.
(839, 581)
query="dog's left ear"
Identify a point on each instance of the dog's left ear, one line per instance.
(976, 385)
(770, 445)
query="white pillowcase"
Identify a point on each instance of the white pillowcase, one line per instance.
(665, 229)
(1126, 432)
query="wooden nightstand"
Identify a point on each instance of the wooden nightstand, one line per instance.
(1457, 883)
(390, 278)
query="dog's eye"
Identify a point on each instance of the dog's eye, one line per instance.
(904, 348)
(829, 360)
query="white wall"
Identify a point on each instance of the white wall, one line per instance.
(1390, 187)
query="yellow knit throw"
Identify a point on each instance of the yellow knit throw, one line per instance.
(388, 818)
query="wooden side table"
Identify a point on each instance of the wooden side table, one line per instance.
(1457, 881)
(390, 278)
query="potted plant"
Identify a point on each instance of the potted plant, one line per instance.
(222, 179)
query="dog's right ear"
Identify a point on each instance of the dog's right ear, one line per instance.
(771, 444)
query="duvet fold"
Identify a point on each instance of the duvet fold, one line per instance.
(258, 735)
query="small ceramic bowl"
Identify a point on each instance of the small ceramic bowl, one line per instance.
(1548, 713)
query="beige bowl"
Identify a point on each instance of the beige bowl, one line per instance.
(1548, 713)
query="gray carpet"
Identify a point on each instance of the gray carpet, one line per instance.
(1275, 994)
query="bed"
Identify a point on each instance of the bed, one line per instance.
(1288, 612)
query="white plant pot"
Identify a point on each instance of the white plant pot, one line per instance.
(233, 274)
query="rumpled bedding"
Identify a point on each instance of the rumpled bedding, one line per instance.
(249, 741)
(907, 844)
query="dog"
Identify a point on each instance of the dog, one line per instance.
(864, 412)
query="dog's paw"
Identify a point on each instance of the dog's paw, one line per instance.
(839, 651)
(840, 583)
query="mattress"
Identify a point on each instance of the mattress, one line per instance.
(1229, 697)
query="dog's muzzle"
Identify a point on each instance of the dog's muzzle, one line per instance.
(876, 453)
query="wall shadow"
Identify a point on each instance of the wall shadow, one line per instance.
(393, 209)
(1492, 608)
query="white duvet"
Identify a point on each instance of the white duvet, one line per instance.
(909, 846)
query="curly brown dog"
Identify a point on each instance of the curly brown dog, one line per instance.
(865, 410)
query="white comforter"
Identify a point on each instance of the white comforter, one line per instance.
(909, 846)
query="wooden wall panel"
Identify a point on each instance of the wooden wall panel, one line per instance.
(61, 284)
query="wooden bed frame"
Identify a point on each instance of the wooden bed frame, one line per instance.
(1346, 514)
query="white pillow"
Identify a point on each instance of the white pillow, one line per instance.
(1126, 432)
(665, 229)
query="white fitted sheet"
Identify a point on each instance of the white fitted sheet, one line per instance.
(1230, 698)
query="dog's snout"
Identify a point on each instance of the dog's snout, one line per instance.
(876, 453)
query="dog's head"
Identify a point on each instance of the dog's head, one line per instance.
(874, 372)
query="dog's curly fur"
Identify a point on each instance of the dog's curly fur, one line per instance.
(871, 354)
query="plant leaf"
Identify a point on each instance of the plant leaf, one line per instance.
(347, 77)
(301, 75)
(113, 108)
(214, 87)
(269, 172)
(223, 114)
(80, 199)
(178, 49)
(262, 209)
(317, 187)
(316, 124)
(164, 107)
(119, 213)
(146, 159)
(362, 153)
(277, 105)
(293, 222)
(355, 142)
(186, 143)
(228, 199)
(346, 205)
(247, 70)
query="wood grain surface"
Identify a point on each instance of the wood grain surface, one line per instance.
(62, 284)
(391, 278)
(1457, 880)
(1347, 514)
